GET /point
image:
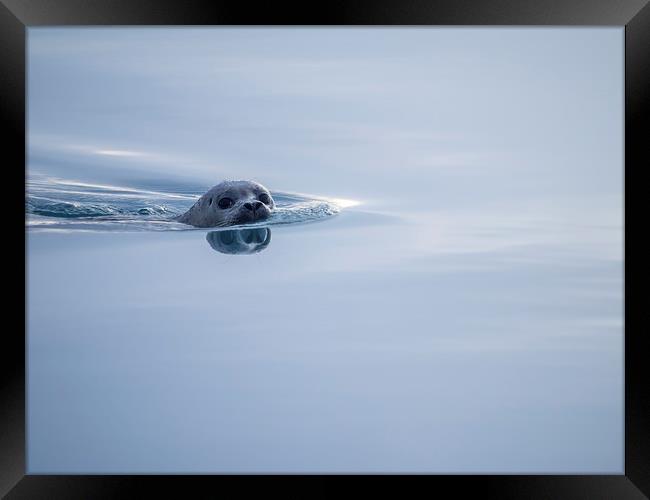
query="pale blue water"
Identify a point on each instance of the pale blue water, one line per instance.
(440, 290)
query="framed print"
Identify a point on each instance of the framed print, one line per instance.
(354, 241)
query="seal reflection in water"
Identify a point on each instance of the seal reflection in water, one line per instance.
(229, 203)
(240, 241)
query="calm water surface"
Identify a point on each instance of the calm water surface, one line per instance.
(443, 294)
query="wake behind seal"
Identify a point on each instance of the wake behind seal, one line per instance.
(229, 203)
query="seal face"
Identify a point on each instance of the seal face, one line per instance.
(228, 203)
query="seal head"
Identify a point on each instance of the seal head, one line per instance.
(229, 203)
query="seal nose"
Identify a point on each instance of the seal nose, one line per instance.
(253, 206)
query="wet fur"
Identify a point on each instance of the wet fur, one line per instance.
(206, 212)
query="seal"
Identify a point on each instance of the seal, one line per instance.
(228, 203)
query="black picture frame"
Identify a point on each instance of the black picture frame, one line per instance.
(634, 15)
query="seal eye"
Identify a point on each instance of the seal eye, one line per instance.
(265, 198)
(225, 203)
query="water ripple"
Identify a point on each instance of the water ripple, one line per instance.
(59, 204)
